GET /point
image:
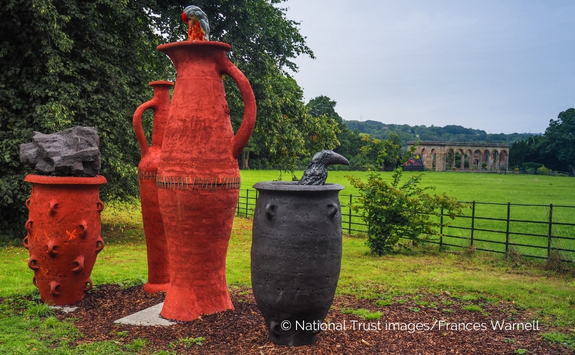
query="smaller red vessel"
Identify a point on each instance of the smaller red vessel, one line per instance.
(158, 263)
(63, 235)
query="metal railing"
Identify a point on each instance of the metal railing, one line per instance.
(492, 227)
(549, 230)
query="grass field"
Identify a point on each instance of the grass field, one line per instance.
(501, 188)
(534, 194)
(124, 261)
(546, 294)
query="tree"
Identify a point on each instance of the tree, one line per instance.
(555, 149)
(70, 62)
(380, 153)
(67, 63)
(286, 133)
(530, 150)
(264, 42)
(349, 141)
(323, 105)
(560, 137)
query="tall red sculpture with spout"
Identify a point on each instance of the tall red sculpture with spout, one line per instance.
(157, 250)
(198, 177)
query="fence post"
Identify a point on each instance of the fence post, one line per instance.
(550, 231)
(441, 230)
(349, 218)
(472, 221)
(507, 231)
(247, 201)
(238, 214)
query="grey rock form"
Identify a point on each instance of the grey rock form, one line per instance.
(72, 152)
(316, 172)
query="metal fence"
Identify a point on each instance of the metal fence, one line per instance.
(352, 223)
(529, 230)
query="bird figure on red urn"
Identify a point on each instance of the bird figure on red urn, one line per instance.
(198, 25)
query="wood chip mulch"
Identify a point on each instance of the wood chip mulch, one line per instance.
(243, 331)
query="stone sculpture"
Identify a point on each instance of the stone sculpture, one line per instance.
(72, 152)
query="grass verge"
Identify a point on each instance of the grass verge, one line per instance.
(475, 280)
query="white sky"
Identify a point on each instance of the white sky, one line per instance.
(502, 66)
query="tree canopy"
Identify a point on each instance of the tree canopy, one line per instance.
(449, 133)
(349, 141)
(555, 149)
(560, 137)
(70, 62)
(323, 105)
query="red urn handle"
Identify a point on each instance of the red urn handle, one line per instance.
(243, 134)
(153, 104)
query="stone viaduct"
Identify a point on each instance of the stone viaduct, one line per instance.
(441, 156)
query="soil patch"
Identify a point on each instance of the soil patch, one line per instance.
(243, 331)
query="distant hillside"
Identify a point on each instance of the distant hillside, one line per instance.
(451, 133)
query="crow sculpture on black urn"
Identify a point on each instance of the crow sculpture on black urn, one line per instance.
(316, 172)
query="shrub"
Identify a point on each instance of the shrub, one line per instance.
(394, 210)
(531, 165)
(543, 170)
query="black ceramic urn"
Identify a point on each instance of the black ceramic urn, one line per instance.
(295, 257)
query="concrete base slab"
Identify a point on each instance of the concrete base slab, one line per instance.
(65, 309)
(147, 317)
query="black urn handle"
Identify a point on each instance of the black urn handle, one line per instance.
(271, 210)
(332, 209)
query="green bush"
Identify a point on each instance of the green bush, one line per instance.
(394, 210)
(530, 165)
(543, 170)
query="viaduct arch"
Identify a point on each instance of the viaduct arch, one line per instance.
(442, 156)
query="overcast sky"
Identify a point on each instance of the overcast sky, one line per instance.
(502, 66)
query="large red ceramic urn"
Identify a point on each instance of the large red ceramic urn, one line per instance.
(63, 235)
(157, 250)
(198, 177)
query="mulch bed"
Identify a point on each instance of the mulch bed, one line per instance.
(243, 331)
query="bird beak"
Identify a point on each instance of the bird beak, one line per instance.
(337, 159)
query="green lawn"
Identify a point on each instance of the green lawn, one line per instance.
(361, 274)
(492, 193)
(501, 188)
(546, 294)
